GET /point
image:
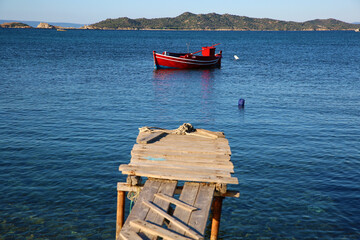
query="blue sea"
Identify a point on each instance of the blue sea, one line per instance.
(71, 104)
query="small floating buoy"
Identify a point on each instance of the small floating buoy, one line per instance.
(236, 57)
(241, 103)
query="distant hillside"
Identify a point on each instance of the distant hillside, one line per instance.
(213, 21)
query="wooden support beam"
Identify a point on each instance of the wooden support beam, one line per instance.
(120, 212)
(215, 224)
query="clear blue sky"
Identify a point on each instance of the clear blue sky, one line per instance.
(91, 11)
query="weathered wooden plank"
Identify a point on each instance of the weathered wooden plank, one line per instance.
(128, 188)
(204, 131)
(176, 169)
(151, 137)
(189, 137)
(198, 219)
(177, 175)
(188, 195)
(139, 211)
(197, 138)
(172, 155)
(161, 212)
(168, 188)
(128, 234)
(151, 161)
(176, 202)
(180, 148)
(155, 230)
(203, 143)
(202, 135)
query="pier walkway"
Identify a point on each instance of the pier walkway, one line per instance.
(187, 171)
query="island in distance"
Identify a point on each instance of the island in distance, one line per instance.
(23, 25)
(211, 21)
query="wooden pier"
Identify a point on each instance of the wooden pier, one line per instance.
(187, 172)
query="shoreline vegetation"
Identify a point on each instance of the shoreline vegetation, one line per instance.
(205, 22)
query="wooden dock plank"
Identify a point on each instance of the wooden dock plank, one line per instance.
(180, 148)
(151, 137)
(167, 187)
(213, 134)
(199, 146)
(177, 175)
(188, 195)
(176, 169)
(203, 142)
(151, 161)
(129, 234)
(140, 212)
(173, 155)
(173, 220)
(155, 230)
(198, 219)
(196, 136)
(128, 188)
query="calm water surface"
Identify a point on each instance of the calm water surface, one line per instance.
(71, 104)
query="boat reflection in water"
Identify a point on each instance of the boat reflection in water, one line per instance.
(178, 79)
(177, 74)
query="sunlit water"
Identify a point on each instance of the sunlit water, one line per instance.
(71, 104)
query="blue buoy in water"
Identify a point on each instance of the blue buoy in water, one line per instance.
(241, 103)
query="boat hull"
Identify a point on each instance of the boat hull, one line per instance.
(186, 61)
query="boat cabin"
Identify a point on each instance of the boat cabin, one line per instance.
(208, 51)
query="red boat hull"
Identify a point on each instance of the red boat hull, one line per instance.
(186, 61)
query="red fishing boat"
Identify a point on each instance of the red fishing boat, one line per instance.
(188, 60)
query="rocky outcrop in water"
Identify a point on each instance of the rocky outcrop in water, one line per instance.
(46, 26)
(88, 27)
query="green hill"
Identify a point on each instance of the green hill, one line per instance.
(213, 21)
